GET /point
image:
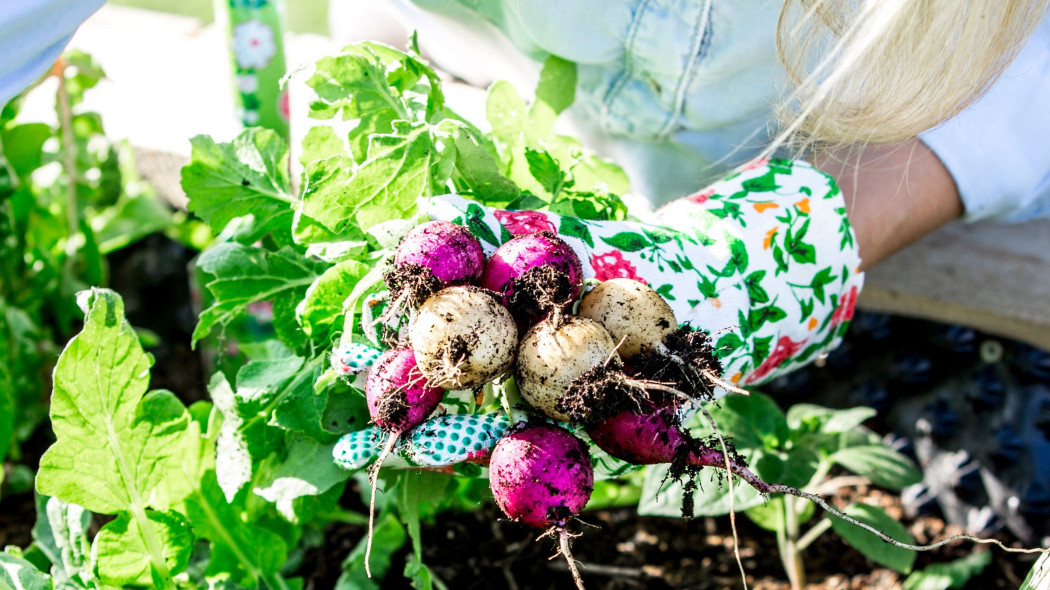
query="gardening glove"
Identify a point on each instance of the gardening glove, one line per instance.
(765, 260)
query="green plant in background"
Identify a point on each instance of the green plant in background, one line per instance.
(149, 461)
(232, 493)
(799, 448)
(68, 197)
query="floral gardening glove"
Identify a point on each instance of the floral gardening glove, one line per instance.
(765, 260)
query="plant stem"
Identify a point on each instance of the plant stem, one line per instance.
(153, 543)
(782, 543)
(812, 534)
(69, 163)
(793, 555)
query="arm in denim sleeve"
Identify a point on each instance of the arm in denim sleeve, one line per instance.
(997, 149)
(33, 34)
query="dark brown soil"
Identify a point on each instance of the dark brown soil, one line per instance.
(620, 550)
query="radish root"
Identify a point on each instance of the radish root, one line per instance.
(564, 536)
(373, 477)
(754, 481)
(729, 479)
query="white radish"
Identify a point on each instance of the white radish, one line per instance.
(463, 337)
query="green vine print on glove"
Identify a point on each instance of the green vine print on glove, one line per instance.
(764, 259)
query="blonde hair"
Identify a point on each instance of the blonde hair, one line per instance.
(882, 71)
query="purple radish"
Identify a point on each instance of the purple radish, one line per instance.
(655, 435)
(434, 255)
(536, 274)
(399, 398)
(541, 475)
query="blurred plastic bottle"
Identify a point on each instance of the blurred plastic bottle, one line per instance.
(255, 34)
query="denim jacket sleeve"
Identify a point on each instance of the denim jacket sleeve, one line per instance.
(33, 34)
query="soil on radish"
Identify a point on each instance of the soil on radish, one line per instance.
(539, 291)
(415, 281)
(695, 348)
(601, 393)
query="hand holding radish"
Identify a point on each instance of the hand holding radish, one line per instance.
(754, 293)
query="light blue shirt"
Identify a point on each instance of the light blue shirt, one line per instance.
(33, 34)
(680, 91)
(998, 150)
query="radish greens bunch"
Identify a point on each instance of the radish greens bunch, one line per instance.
(384, 139)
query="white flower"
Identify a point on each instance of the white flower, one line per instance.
(251, 117)
(253, 44)
(247, 83)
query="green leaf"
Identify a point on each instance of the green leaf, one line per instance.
(131, 218)
(505, 111)
(800, 251)
(556, 91)
(738, 253)
(421, 577)
(246, 552)
(374, 86)
(244, 439)
(822, 278)
(814, 418)
(475, 222)
(665, 291)
(572, 227)
(123, 553)
(322, 304)
(806, 307)
(628, 242)
(761, 184)
(759, 316)
(60, 532)
(478, 170)
(770, 515)
(389, 537)
(557, 86)
(761, 349)
(242, 275)
(19, 574)
(248, 176)
(301, 408)
(882, 465)
(848, 419)
(1039, 577)
(321, 142)
(113, 445)
(795, 468)
(754, 421)
(23, 146)
(547, 171)
(385, 186)
(954, 574)
(778, 256)
(707, 287)
(7, 411)
(306, 470)
(872, 547)
(662, 496)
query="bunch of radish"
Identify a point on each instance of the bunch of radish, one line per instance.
(620, 367)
